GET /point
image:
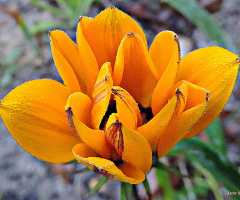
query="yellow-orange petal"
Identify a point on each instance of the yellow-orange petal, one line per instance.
(34, 115)
(95, 139)
(137, 150)
(214, 69)
(162, 49)
(155, 127)
(87, 59)
(127, 108)
(65, 70)
(84, 150)
(134, 70)
(171, 59)
(105, 32)
(108, 168)
(81, 105)
(196, 102)
(129, 144)
(68, 49)
(101, 95)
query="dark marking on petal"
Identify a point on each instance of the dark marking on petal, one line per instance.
(115, 137)
(131, 33)
(100, 86)
(99, 170)
(178, 43)
(207, 96)
(69, 114)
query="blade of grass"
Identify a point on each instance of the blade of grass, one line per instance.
(11, 68)
(216, 136)
(97, 187)
(168, 169)
(211, 181)
(147, 188)
(195, 13)
(126, 191)
(48, 25)
(164, 183)
(68, 12)
(213, 161)
(47, 7)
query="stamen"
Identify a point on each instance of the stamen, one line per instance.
(69, 114)
(115, 137)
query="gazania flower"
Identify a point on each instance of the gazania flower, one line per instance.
(94, 116)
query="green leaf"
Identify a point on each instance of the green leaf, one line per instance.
(10, 68)
(126, 191)
(147, 188)
(213, 161)
(168, 169)
(216, 136)
(164, 183)
(97, 187)
(195, 13)
(48, 25)
(47, 7)
(210, 181)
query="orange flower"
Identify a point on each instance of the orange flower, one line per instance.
(94, 116)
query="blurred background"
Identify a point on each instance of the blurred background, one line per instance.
(25, 55)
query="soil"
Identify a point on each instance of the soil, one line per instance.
(22, 176)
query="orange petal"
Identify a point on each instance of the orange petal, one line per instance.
(34, 115)
(68, 49)
(81, 105)
(134, 70)
(162, 49)
(83, 150)
(64, 69)
(105, 32)
(155, 127)
(101, 95)
(165, 58)
(108, 168)
(95, 139)
(127, 108)
(87, 59)
(129, 144)
(214, 69)
(196, 99)
(133, 153)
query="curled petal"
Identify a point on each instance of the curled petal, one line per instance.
(127, 108)
(87, 59)
(129, 144)
(101, 95)
(134, 70)
(105, 32)
(133, 153)
(95, 139)
(64, 47)
(107, 167)
(155, 127)
(64, 68)
(196, 102)
(34, 115)
(214, 69)
(81, 105)
(166, 55)
(164, 46)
